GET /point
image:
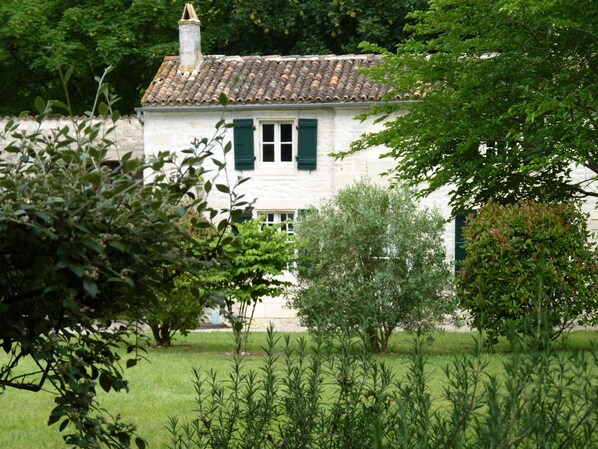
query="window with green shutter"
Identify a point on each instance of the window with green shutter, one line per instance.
(307, 146)
(243, 144)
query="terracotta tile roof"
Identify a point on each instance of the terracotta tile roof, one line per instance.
(265, 80)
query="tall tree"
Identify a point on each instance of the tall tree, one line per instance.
(506, 103)
(134, 35)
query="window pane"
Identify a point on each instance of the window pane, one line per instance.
(286, 152)
(268, 152)
(286, 132)
(268, 133)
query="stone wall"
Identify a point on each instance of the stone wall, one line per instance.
(128, 134)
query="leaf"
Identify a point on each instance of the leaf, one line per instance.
(54, 418)
(63, 424)
(59, 104)
(6, 345)
(223, 188)
(140, 443)
(68, 74)
(103, 108)
(79, 270)
(105, 382)
(90, 287)
(131, 363)
(118, 245)
(40, 105)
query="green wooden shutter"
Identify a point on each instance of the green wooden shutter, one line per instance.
(243, 144)
(245, 216)
(307, 154)
(459, 240)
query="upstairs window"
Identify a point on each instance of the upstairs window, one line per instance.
(277, 142)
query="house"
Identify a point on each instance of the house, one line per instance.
(290, 112)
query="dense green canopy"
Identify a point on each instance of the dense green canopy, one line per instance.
(134, 36)
(507, 100)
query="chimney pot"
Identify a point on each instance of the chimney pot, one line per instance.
(189, 40)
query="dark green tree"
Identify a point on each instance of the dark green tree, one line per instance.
(530, 268)
(506, 100)
(133, 36)
(83, 244)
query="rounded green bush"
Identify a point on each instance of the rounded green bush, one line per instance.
(527, 264)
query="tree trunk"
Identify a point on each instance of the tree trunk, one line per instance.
(161, 333)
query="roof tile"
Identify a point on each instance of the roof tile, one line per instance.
(265, 79)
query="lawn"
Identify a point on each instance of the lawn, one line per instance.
(162, 386)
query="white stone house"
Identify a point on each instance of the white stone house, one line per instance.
(290, 112)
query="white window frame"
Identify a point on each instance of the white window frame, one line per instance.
(277, 141)
(276, 217)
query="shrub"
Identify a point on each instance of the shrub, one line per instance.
(335, 395)
(525, 261)
(176, 311)
(254, 263)
(83, 244)
(371, 260)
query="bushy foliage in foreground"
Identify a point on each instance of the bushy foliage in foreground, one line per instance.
(82, 244)
(371, 259)
(336, 395)
(525, 261)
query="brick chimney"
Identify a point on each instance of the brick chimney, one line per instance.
(189, 40)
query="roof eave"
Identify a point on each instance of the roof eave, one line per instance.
(265, 106)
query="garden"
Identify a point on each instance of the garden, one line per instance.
(163, 385)
(89, 249)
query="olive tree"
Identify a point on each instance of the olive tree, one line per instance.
(371, 260)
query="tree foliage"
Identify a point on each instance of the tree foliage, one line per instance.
(529, 261)
(178, 310)
(370, 260)
(253, 269)
(506, 103)
(82, 244)
(133, 36)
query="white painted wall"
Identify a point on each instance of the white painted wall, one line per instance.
(282, 186)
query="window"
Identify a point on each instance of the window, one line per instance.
(274, 218)
(277, 142)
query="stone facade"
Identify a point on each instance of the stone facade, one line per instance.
(128, 134)
(282, 187)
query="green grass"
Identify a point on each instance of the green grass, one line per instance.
(162, 386)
